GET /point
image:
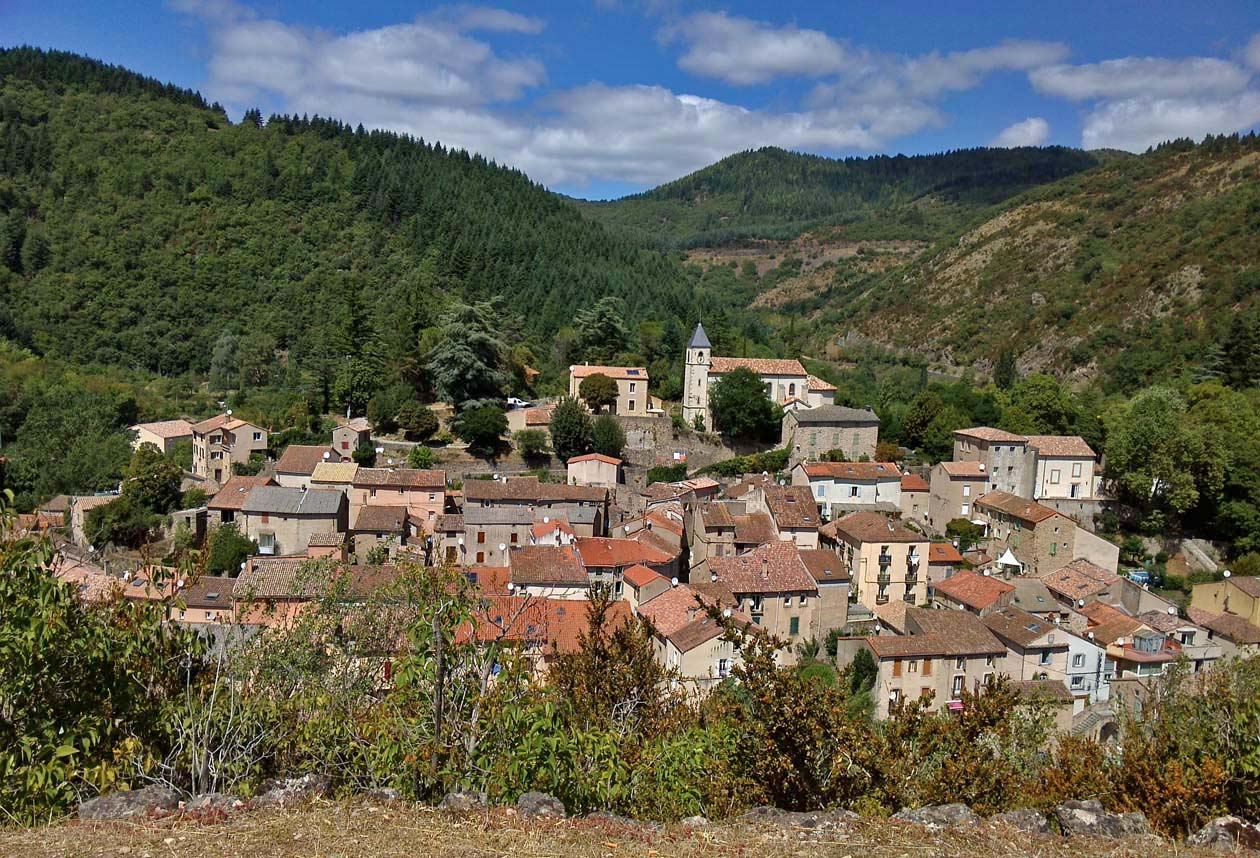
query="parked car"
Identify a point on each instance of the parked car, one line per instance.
(515, 403)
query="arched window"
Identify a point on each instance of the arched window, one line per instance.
(792, 389)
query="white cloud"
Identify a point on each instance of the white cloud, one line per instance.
(1033, 131)
(1131, 77)
(742, 51)
(935, 73)
(1137, 123)
(1251, 53)
(489, 19)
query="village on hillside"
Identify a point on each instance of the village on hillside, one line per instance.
(945, 577)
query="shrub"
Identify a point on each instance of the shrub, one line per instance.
(482, 427)
(421, 457)
(667, 474)
(364, 455)
(227, 549)
(607, 436)
(417, 421)
(571, 429)
(531, 443)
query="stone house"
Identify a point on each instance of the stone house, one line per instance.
(594, 469)
(791, 508)
(80, 506)
(1064, 467)
(772, 585)
(1005, 457)
(632, 386)
(971, 591)
(226, 505)
(1036, 649)
(915, 497)
(550, 571)
(298, 462)
(164, 434)
(688, 639)
(585, 508)
(831, 576)
(809, 433)
(490, 533)
(379, 525)
(422, 492)
(953, 491)
(1025, 535)
(842, 487)
(886, 561)
(606, 560)
(351, 435)
(282, 520)
(223, 441)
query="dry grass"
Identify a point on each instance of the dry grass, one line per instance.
(354, 829)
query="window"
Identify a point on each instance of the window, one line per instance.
(913, 665)
(1054, 549)
(1045, 657)
(787, 601)
(991, 660)
(633, 386)
(1187, 638)
(960, 663)
(1054, 476)
(481, 537)
(756, 604)
(1078, 682)
(1078, 659)
(794, 626)
(724, 667)
(513, 538)
(821, 490)
(853, 491)
(371, 493)
(925, 693)
(631, 407)
(481, 557)
(957, 688)
(927, 667)
(804, 601)
(1076, 469)
(266, 543)
(257, 436)
(345, 445)
(432, 497)
(966, 509)
(966, 491)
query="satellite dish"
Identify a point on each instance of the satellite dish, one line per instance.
(673, 582)
(326, 455)
(546, 519)
(511, 586)
(502, 547)
(1080, 603)
(1172, 611)
(727, 613)
(1228, 573)
(229, 412)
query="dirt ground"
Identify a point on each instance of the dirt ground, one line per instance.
(350, 830)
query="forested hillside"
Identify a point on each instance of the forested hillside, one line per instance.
(1143, 270)
(137, 225)
(771, 193)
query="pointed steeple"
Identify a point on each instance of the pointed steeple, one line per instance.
(699, 339)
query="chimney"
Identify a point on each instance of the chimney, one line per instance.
(765, 568)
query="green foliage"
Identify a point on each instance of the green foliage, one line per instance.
(667, 474)
(181, 453)
(226, 549)
(468, 364)
(120, 522)
(421, 458)
(482, 427)
(418, 422)
(598, 391)
(82, 696)
(607, 436)
(862, 671)
(965, 532)
(193, 498)
(769, 462)
(251, 467)
(571, 427)
(364, 455)
(152, 481)
(530, 443)
(1005, 373)
(741, 408)
(602, 333)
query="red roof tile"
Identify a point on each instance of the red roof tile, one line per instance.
(599, 551)
(761, 366)
(236, 490)
(852, 470)
(974, 590)
(302, 458)
(639, 576)
(547, 565)
(913, 483)
(774, 568)
(988, 433)
(1017, 507)
(943, 552)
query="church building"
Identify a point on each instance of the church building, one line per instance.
(787, 383)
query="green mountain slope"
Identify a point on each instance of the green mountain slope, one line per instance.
(1129, 273)
(772, 193)
(137, 224)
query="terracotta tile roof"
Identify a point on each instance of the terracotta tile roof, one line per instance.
(702, 630)
(717, 515)
(449, 523)
(302, 459)
(715, 592)
(539, 416)
(820, 385)
(211, 423)
(893, 615)
(547, 565)
(698, 484)
(756, 528)
(974, 590)
(1229, 626)
(852, 470)
(874, 527)
(938, 633)
(1109, 624)
(490, 580)
(599, 551)
(761, 366)
(278, 500)
(1019, 627)
(914, 483)
(475, 516)
(236, 490)
(334, 472)
(166, 428)
(401, 478)
(1080, 579)
(988, 433)
(595, 457)
(674, 608)
(970, 470)
(552, 524)
(631, 373)
(358, 424)
(826, 566)
(1162, 621)
(639, 576)
(57, 503)
(1248, 584)
(793, 507)
(663, 541)
(302, 579)
(326, 540)
(91, 582)
(530, 489)
(773, 568)
(663, 492)
(1072, 446)
(1048, 690)
(943, 552)
(553, 625)
(380, 519)
(1015, 506)
(209, 592)
(87, 502)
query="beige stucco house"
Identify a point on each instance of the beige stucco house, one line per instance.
(632, 386)
(223, 441)
(1064, 467)
(164, 434)
(594, 469)
(422, 492)
(772, 585)
(953, 490)
(1005, 457)
(283, 520)
(886, 561)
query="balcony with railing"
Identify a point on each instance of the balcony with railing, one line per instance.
(885, 560)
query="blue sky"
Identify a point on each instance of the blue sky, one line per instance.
(598, 98)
